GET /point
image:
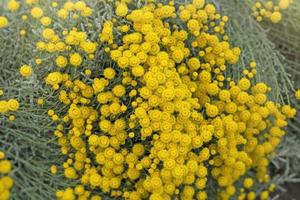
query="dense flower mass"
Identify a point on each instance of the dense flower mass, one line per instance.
(6, 182)
(270, 10)
(186, 121)
(162, 118)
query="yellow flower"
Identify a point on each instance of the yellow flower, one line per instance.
(109, 73)
(62, 13)
(13, 5)
(5, 166)
(212, 110)
(75, 59)
(244, 84)
(297, 94)
(121, 10)
(119, 90)
(275, 17)
(53, 169)
(36, 12)
(70, 173)
(248, 183)
(61, 61)
(284, 4)
(3, 22)
(13, 104)
(54, 78)
(46, 21)
(25, 70)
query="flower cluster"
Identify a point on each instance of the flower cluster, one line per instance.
(9, 105)
(174, 120)
(6, 182)
(163, 117)
(270, 10)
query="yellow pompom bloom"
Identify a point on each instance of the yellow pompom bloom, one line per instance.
(53, 169)
(119, 90)
(70, 173)
(5, 166)
(198, 3)
(275, 17)
(121, 10)
(80, 5)
(96, 197)
(244, 84)
(133, 173)
(36, 12)
(95, 180)
(54, 78)
(61, 61)
(248, 183)
(62, 13)
(4, 107)
(109, 73)
(25, 70)
(284, 4)
(46, 21)
(75, 59)
(138, 149)
(13, 104)
(103, 141)
(138, 71)
(264, 195)
(13, 5)
(297, 94)
(212, 110)
(205, 76)
(185, 15)
(2, 155)
(3, 22)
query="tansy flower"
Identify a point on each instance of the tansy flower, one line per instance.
(248, 183)
(121, 10)
(13, 5)
(46, 21)
(13, 104)
(61, 61)
(25, 70)
(75, 59)
(36, 12)
(297, 94)
(109, 73)
(275, 17)
(5, 166)
(284, 4)
(3, 22)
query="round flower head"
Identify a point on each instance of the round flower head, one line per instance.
(3, 22)
(275, 17)
(121, 9)
(61, 61)
(13, 104)
(75, 59)
(284, 4)
(5, 166)
(13, 5)
(36, 12)
(297, 94)
(25, 70)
